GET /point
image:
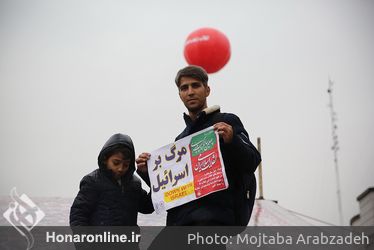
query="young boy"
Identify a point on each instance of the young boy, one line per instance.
(111, 195)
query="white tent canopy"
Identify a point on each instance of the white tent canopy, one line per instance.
(265, 213)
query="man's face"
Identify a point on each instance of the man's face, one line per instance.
(118, 164)
(193, 94)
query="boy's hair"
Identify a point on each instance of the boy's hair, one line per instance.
(192, 71)
(118, 148)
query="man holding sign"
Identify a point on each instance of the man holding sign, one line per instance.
(214, 151)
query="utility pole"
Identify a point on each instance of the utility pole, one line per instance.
(260, 185)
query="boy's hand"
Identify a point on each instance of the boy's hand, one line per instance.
(141, 162)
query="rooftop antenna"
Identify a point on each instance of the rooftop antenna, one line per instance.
(335, 148)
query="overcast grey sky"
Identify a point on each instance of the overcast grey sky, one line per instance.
(72, 73)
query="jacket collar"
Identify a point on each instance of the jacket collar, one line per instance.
(205, 112)
(108, 173)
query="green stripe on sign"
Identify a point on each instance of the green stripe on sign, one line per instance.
(203, 142)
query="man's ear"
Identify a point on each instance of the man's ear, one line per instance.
(207, 90)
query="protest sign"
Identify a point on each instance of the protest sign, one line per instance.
(186, 170)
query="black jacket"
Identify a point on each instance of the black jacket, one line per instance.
(102, 201)
(239, 156)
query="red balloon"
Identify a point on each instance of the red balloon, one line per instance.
(208, 48)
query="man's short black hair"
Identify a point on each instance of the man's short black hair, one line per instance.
(193, 71)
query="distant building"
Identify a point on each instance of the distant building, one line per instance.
(366, 203)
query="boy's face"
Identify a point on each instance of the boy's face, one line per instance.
(118, 164)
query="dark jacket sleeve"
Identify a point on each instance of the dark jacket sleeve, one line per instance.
(146, 205)
(84, 203)
(145, 177)
(241, 150)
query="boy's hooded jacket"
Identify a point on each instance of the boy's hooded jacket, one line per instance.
(102, 201)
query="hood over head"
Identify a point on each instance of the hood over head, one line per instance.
(118, 139)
